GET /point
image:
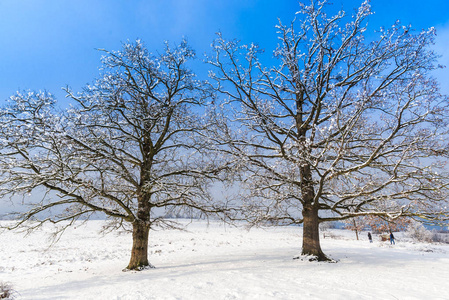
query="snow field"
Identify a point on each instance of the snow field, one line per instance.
(220, 262)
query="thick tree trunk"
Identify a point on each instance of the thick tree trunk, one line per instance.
(311, 230)
(139, 252)
(311, 235)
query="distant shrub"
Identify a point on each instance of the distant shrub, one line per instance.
(440, 237)
(324, 226)
(419, 233)
(6, 291)
(328, 225)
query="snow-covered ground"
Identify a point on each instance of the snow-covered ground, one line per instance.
(220, 262)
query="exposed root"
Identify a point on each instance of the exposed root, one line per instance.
(315, 258)
(140, 268)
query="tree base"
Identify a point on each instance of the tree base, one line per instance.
(313, 258)
(139, 268)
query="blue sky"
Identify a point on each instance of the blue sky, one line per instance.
(48, 44)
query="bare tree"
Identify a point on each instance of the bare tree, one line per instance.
(130, 147)
(355, 224)
(380, 225)
(342, 127)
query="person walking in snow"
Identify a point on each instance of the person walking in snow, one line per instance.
(392, 239)
(370, 238)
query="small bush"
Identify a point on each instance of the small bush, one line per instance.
(419, 233)
(6, 291)
(440, 237)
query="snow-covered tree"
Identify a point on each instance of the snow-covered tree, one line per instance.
(343, 126)
(355, 224)
(130, 146)
(418, 232)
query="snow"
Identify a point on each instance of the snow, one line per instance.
(214, 261)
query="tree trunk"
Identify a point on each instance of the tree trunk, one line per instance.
(356, 229)
(139, 252)
(311, 229)
(311, 234)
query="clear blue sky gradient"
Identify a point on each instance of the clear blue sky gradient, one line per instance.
(48, 44)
